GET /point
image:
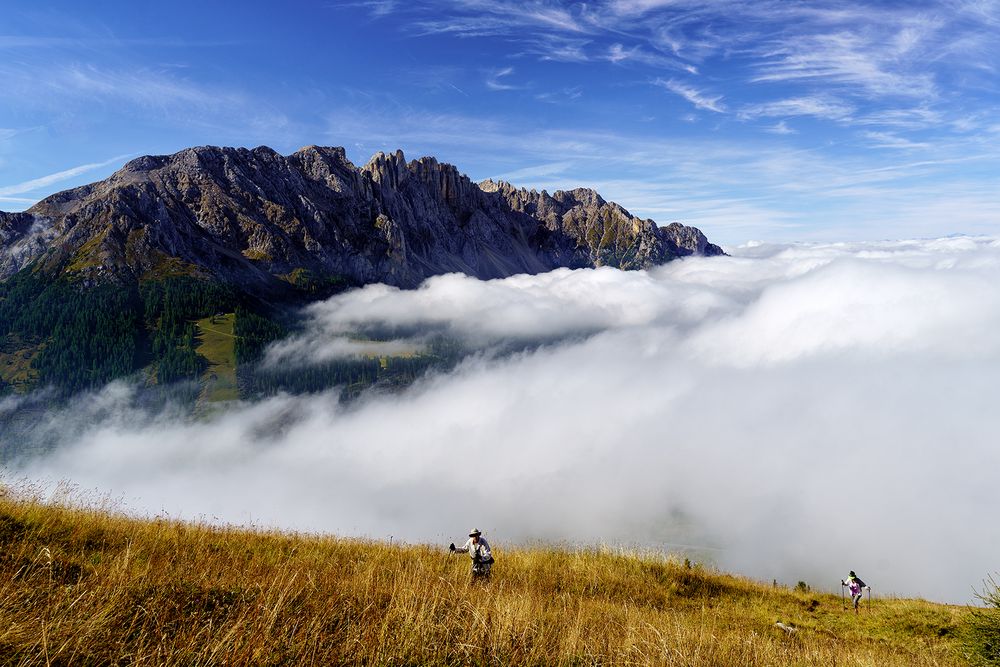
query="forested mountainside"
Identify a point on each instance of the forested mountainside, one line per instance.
(111, 278)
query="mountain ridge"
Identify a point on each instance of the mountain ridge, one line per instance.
(255, 218)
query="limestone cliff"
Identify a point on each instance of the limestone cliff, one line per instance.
(257, 219)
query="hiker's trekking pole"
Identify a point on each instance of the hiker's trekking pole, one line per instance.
(843, 600)
(869, 599)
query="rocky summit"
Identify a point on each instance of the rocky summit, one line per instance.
(255, 218)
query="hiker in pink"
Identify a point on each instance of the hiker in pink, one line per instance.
(856, 586)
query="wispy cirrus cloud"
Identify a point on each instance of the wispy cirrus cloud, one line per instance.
(92, 42)
(72, 84)
(541, 170)
(558, 96)
(698, 98)
(862, 56)
(143, 87)
(853, 63)
(863, 62)
(621, 55)
(472, 18)
(542, 14)
(559, 48)
(986, 12)
(876, 48)
(49, 180)
(493, 79)
(141, 91)
(781, 127)
(912, 118)
(891, 140)
(377, 8)
(825, 107)
(638, 7)
(617, 53)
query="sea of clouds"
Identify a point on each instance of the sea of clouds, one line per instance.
(788, 412)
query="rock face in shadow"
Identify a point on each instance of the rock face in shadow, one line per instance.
(261, 220)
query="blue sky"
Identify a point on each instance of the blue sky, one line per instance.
(771, 120)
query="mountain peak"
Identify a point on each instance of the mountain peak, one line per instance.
(252, 217)
(388, 169)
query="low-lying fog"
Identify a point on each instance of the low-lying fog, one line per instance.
(790, 412)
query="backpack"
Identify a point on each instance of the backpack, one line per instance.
(478, 558)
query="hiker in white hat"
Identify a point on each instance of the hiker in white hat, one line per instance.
(479, 550)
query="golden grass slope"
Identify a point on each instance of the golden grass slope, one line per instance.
(80, 586)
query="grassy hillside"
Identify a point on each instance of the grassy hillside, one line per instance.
(216, 343)
(80, 586)
(15, 365)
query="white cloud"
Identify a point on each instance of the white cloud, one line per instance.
(636, 54)
(148, 88)
(472, 18)
(696, 97)
(318, 347)
(868, 52)
(847, 59)
(781, 128)
(554, 304)
(560, 96)
(58, 177)
(820, 107)
(552, 17)
(891, 140)
(86, 88)
(917, 118)
(617, 53)
(802, 410)
(559, 48)
(519, 176)
(380, 8)
(493, 81)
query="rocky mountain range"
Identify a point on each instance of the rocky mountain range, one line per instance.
(255, 218)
